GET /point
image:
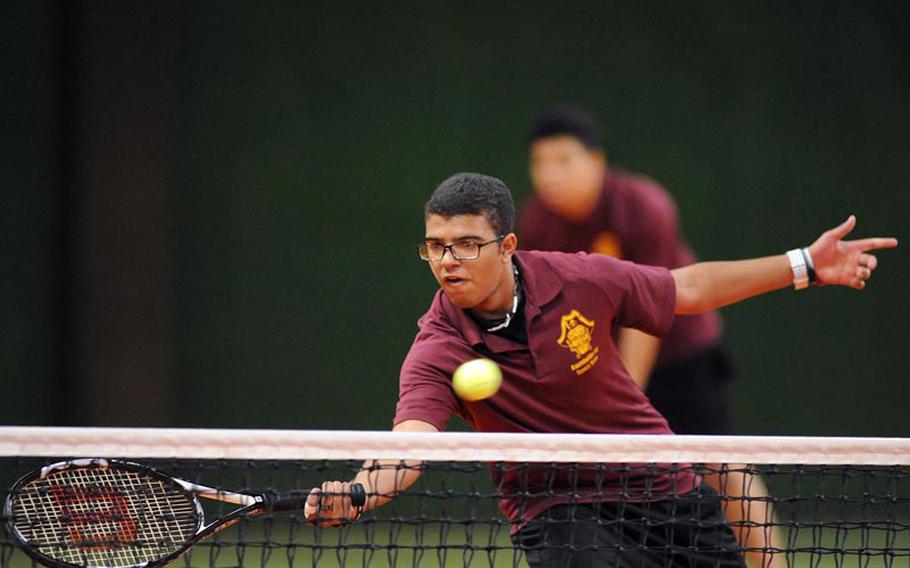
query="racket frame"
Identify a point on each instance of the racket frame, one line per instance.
(249, 504)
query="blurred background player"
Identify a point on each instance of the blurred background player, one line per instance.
(582, 204)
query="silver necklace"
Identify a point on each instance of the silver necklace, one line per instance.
(505, 323)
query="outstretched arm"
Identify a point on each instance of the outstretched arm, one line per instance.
(708, 285)
(638, 352)
(330, 503)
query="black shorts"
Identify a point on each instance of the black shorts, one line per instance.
(685, 531)
(694, 394)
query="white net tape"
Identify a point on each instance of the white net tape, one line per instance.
(447, 446)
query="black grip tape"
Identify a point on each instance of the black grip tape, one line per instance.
(295, 500)
(358, 495)
(277, 502)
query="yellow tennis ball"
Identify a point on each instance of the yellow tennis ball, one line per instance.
(477, 379)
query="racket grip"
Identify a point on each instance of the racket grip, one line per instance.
(272, 501)
(358, 495)
(295, 500)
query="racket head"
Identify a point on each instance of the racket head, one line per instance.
(98, 513)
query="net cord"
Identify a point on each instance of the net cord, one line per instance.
(233, 444)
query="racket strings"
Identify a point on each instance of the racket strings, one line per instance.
(104, 517)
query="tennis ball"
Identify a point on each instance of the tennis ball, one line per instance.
(477, 379)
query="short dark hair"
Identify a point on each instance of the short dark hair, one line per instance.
(474, 194)
(567, 121)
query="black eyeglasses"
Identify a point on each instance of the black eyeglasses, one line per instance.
(462, 250)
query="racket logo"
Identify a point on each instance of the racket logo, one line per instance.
(96, 518)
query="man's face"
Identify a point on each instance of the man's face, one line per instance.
(566, 175)
(476, 283)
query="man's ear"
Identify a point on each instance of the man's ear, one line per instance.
(509, 245)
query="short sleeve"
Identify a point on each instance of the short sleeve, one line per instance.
(425, 386)
(643, 297)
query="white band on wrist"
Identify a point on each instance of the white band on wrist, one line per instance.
(798, 266)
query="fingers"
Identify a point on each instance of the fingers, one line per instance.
(329, 504)
(846, 263)
(843, 229)
(866, 263)
(312, 503)
(875, 243)
(868, 260)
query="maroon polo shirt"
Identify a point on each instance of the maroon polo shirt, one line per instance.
(569, 378)
(635, 219)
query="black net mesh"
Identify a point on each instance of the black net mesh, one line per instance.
(466, 513)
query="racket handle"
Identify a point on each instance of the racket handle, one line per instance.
(295, 500)
(358, 495)
(272, 501)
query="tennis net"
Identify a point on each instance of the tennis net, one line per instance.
(492, 500)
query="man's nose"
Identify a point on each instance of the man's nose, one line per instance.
(448, 258)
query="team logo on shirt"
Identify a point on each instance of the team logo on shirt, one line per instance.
(607, 243)
(577, 336)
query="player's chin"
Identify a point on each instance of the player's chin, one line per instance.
(556, 201)
(461, 295)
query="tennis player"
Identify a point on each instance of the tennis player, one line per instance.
(563, 373)
(580, 203)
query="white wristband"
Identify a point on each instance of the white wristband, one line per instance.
(798, 266)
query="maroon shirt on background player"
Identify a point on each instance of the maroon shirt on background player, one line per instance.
(471, 251)
(634, 219)
(580, 204)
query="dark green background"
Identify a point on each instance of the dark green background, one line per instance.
(306, 137)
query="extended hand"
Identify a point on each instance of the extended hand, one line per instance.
(846, 263)
(331, 505)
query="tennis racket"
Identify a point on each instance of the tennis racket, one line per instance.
(98, 513)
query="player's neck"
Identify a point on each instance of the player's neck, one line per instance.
(503, 302)
(582, 208)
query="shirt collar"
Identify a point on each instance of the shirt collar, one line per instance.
(540, 285)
